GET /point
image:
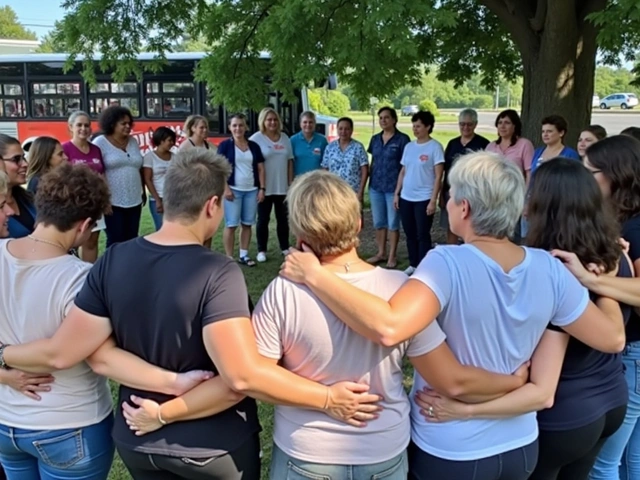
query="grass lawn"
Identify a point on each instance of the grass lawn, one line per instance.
(257, 279)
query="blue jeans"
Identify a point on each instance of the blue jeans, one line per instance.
(70, 454)
(620, 455)
(284, 467)
(385, 216)
(243, 208)
(157, 217)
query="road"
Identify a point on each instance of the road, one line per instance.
(614, 122)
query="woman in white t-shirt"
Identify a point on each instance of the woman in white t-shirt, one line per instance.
(278, 168)
(245, 187)
(155, 164)
(63, 430)
(419, 184)
(486, 296)
(123, 171)
(295, 329)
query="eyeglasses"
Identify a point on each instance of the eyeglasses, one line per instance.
(15, 159)
(466, 124)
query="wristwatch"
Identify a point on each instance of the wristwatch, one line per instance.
(3, 364)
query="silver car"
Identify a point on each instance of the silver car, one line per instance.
(622, 100)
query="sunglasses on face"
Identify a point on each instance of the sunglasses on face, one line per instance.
(16, 159)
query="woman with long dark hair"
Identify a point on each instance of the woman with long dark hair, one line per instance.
(614, 163)
(45, 153)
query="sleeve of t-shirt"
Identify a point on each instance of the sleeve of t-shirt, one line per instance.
(438, 154)
(631, 234)
(286, 141)
(226, 296)
(325, 157)
(435, 273)
(527, 154)
(571, 297)
(147, 160)
(427, 340)
(74, 288)
(92, 297)
(267, 321)
(363, 158)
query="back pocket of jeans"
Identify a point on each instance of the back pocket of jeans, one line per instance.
(63, 451)
(294, 472)
(398, 470)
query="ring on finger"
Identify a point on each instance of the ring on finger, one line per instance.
(430, 412)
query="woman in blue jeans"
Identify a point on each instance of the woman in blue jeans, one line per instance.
(155, 165)
(245, 188)
(615, 164)
(60, 431)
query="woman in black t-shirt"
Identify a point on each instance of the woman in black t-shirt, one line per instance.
(567, 211)
(614, 162)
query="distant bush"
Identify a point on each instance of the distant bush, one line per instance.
(329, 102)
(430, 105)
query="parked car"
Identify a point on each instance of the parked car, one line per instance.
(596, 101)
(410, 110)
(622, 100)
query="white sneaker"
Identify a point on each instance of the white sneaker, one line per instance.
(409, 271)
(262, 257)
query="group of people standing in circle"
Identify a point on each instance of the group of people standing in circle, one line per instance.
(525, 357)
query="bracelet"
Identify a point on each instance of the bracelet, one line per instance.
(326, 400)
(262, 188)
(160, 419)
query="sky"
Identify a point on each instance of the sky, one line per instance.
(36, 15)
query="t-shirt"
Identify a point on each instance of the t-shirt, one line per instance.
(161, 321)
(631, 233)
(35, 297)
(307, 155)
(347, 163)
(122, 171)
(276, 162)
(188, 144)
(493, 320)
(159, 167)
(385, 161)
(292, 324)
(32, 186)
(92, 159)
(520, 154)
(244, 178)
(595, 378)
(454, 149)
(419, 161)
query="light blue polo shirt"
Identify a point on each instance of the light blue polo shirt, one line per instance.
(307, 155)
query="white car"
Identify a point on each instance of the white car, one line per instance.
(622, 100)
(596, 101)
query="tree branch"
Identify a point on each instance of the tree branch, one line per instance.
(331, 15)
(251, 33)
(515, 21)
(538, 21)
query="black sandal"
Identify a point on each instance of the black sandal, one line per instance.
(246, 260)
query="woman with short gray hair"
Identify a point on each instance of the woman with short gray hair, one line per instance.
(485, 295)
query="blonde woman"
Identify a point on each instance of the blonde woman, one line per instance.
(196, 130)
(278, 166)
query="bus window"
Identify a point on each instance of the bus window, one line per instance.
(12, 104)
(104, 94)
(52, 99)
(169, 99)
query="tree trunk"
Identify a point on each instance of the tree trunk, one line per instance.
(558, 48)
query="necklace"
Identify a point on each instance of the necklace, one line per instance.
(346, 266)
(40, 240)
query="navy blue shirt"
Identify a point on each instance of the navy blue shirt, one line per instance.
(228, 149)
(631, 233)
(385, 161)
(591, 382)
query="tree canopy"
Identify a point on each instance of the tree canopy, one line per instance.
(375, 46)
(11, 28)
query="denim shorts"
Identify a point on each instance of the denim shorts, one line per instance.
(384, 214)
(284, 466)
(243, 208)
(84, 453)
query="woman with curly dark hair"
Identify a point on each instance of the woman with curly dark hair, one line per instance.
(123, 171)
(614, 163)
